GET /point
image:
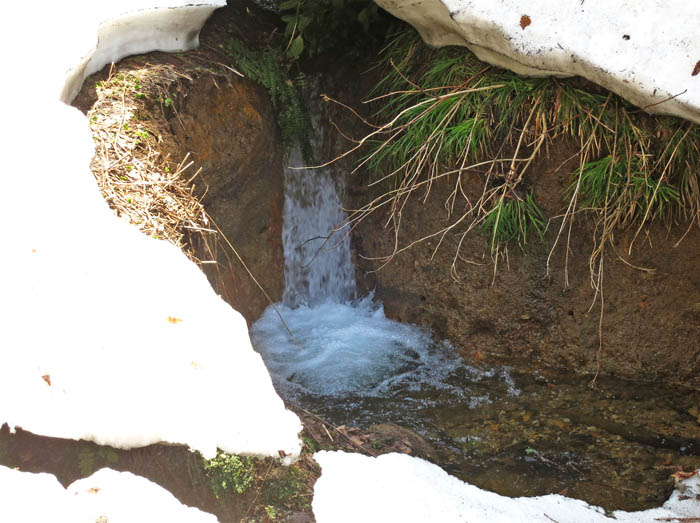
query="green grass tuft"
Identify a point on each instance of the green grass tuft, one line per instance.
(445, 117)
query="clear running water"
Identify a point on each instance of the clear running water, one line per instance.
(349, 347)
(513, 433)
(317, 264)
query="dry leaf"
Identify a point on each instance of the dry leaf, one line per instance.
(47, 379)
(94, 490)
(680, 475)
(560, 424)
(403, 448)
(697, 69)
(174, 320)
(357, 441)
(525, 21)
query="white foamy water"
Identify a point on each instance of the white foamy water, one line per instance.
(342, 346)
(347, 348)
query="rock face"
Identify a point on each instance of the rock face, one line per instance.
(647, 52)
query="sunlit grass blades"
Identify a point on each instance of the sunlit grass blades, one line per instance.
(451, 119)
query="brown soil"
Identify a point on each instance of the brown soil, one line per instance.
(524, 317)
(195, 106)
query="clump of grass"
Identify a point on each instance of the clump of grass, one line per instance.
(511, 218)
(447, 118)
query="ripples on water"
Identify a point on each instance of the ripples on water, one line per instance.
(513, 433)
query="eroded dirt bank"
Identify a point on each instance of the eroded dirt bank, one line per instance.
(151, 112)
(651, 318)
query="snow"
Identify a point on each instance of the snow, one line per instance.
(107, 495)
(647, 52)
(105, 334)
(398, 487)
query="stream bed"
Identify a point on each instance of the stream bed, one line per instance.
(513, 432)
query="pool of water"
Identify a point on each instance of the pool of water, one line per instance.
(515, 433)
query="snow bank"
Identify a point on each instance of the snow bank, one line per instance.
(647, 52)
(106, 334)
(107, 495)
(397, 487)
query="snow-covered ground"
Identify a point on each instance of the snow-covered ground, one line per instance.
(646, 51)
(106, 496)
(110, 336)
(397, 487)
(106, 334)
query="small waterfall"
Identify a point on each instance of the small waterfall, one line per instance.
(349, 346)
(317, 264)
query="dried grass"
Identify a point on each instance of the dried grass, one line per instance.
(139, 183)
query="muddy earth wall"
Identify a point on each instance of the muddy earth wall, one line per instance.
(651, 318)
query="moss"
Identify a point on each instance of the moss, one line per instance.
(229, 473)
(265, 67)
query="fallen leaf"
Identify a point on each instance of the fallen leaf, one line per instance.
(403, 448)
(94, 490)
(680, 475)
(697, 69)
(642, 303)
(478, 356)
(174, 320)
(357, 441)
(525, 21)
(47, 379)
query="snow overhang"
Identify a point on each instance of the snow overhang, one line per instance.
(647, 52)
(106, 334)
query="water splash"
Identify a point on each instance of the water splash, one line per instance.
(350, 349)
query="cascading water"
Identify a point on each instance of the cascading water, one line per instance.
(352, 360)
(347, 344)
(356, 367)
(317, 267)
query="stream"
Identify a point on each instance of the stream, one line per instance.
(513, 432)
